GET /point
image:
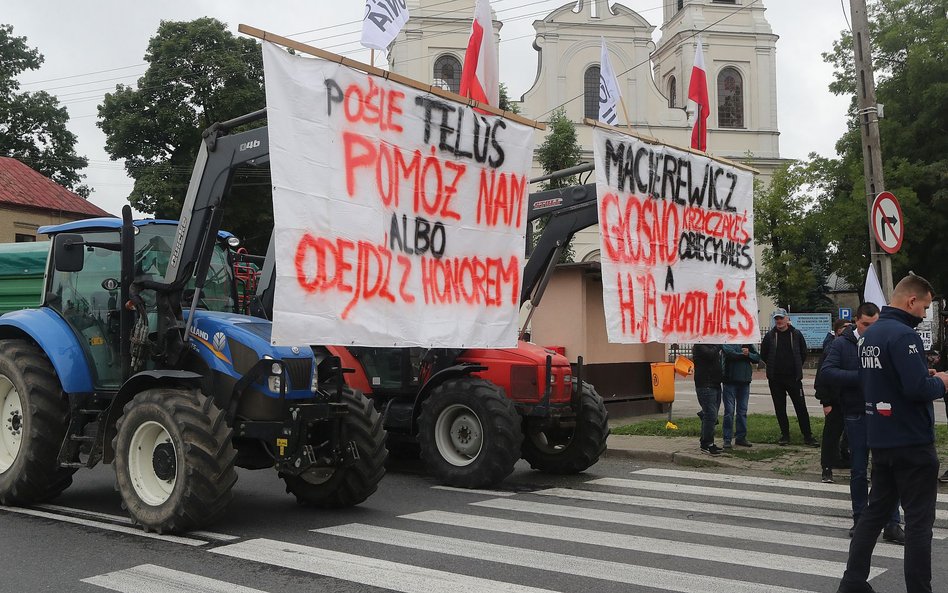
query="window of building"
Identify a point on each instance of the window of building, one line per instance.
(672, 92)
(24, 238)
(681, 4)
(447, 73)
(730, 99)
(591, 92)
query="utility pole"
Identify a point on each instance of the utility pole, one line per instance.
(869, 127)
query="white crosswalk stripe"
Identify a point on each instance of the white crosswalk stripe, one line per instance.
(149, 578)
(603, 533)
(716, 530)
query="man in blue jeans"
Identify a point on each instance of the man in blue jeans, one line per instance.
(900, 424)
(739, 364)
(709, 371)
(841, 370)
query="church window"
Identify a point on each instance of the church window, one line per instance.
(681, 4)
(591, 92)
(730, 99)
(447, 73)
(672, 92)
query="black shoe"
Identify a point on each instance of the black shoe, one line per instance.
(811, 442)
(711, 449)
(944, 477)
(868, 589)
(743, 443)
(784, 440)
(894, 534)
(827, 476)
(727, 446)
(852, 530)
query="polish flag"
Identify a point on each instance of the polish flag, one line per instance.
(698, 92)
(480, 79)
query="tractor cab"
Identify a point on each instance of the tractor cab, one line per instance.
(88, 298)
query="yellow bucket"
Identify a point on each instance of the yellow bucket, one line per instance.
(684, 366)
(663, 381)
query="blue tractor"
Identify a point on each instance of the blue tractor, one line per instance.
(137, 358)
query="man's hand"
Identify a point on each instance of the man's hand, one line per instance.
(827, 410)
(745, 351)
(944, 378)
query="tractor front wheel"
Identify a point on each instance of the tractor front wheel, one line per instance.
(469, 433)
(568, 449)
(174, 460)
(351, 484)
(33, 420)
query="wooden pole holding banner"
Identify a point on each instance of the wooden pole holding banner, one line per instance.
(370, 69)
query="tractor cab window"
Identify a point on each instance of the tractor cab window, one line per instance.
(91, 309)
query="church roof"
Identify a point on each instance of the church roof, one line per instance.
(22, 186)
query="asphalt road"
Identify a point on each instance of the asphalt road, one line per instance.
(618, 527)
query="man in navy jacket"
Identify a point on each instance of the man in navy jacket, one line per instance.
(900, 422)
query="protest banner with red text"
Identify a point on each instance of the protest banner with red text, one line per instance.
(677, 244)
(399, 214)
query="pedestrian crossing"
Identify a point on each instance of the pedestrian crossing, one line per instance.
(652, 530)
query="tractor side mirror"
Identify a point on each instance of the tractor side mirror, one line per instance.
(68, 252)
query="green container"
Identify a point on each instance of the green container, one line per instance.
(22, 266)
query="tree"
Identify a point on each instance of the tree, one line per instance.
(505, 103)
(909, 38)
(560, 150)
(198, 73)
(792, 272)
(33, 125)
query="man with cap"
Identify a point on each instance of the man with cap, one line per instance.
(783, 349)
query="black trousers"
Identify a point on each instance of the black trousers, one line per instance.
(780, 389)
(909, 473)
(832, 432)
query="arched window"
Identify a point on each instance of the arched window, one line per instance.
(591, 92)
(672, 92)
(447, 73)
(730, 99)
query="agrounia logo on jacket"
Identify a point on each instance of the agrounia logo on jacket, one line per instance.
(869, 356)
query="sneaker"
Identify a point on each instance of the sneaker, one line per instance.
(711, 449)
(894, 534)
(811, 442)
(743, 443)
(784, 440)
(944, 477)
(827, 476)
(727, 446)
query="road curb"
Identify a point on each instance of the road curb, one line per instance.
(675, 457)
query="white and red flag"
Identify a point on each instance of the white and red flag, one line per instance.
(480, 79)
(698, 92)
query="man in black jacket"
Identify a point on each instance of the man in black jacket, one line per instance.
(832, 412)
(709, 372)
(840, 371)
(783, 349)
(900, 422)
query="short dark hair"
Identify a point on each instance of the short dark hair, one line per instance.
(913, 285)
(867, 310)
(840, 324)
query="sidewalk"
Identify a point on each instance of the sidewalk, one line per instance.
(795, 461)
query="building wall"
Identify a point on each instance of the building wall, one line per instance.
(21, 221)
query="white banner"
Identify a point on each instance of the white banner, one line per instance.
(609, 95)
(382, 21)
(676, 244)
(399, 215)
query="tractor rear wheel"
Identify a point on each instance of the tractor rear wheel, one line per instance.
(569, 450)
(174, 460)
(350, 484)
(469, 433)
(34, 416)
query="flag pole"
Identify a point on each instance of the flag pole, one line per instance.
(372, 58)
(625, 113)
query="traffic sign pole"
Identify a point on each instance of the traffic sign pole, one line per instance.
(871, 146)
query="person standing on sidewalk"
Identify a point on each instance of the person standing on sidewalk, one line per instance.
(833, 414)
(840, 371)
(709, 371)
(783, 349)
(900, 423)
(739, 364)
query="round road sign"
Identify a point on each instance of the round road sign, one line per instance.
(887, 225)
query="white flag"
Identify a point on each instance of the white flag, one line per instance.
(608, 89)
(382, 21)
(873, 292)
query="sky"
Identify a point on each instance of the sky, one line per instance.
(91, 46)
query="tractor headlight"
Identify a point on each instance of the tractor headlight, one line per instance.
(274, 383)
